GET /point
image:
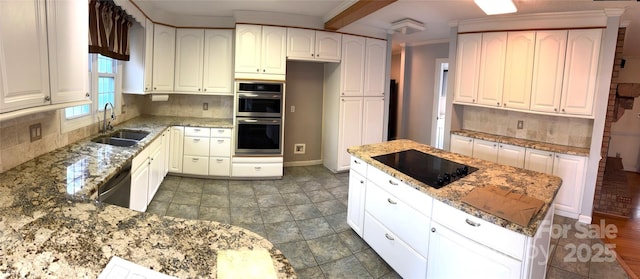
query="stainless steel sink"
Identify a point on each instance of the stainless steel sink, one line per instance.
(129, 134)
(115, 141)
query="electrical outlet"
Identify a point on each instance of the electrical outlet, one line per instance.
(293, 108)
(299, 148)
(205, 106)
(35, 132)
(123, 109)
(520, 124)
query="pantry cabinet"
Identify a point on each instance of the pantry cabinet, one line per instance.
(353, 59)
(164, 46)
(310, 45)
(467, 68)
(518, 70)
(350, 131)
(492, 63)
(374, 67)
(372, 119)
(260, 52)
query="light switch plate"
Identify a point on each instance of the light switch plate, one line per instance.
(35, 132)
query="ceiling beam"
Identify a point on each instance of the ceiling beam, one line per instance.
(355, 12)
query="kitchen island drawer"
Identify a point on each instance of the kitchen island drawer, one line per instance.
(402, 258)
(358, 166)
(196, 146)
(481, 231)
(404, 221)
(197, 132)
(197, 165)
(411, 196)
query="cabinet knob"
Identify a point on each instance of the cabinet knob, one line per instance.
(562, 110)
(555, 109)
(498, 103)
(205, 90)
(87, 95)
(388, 236)
(198, 89)
(263, 70)
(258, 70)
(505, 105)
(473, 100)
(154, 88)
(312, 55)
(47, 98)
(433, 229)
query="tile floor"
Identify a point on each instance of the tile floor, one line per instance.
(304, 215)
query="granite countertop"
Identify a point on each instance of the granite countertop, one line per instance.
(571, 150)
(530, 183)
(51, 225)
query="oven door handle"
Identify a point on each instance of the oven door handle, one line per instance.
(259, 96)
(260, 121)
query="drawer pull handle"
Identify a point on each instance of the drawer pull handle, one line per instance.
(258, 168)
(219, 160)
(391, 201)
(393, 182)
(356, 161)
(195, 159)
(197, 130)
(472, 223)
(221, 131)
(220, 141)
(388, 236)
(196, 140)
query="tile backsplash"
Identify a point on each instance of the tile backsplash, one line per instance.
(190, 106)
(545, 128)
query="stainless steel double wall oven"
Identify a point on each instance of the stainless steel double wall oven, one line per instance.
(259, 111)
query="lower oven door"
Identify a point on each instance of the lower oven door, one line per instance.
(258, 136)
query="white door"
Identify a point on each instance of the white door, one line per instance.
(572, 171)
(352, 65)
(355, 207)
(439, 102)
(539, 160)
(461, 145)
(156, 169)
(328, 46)
(176, 149)
(374, 67)
(164, 46)
(467, 68)
(372, 116)
(301, 44)
(449, 250)
(274, 50)
(148, 56)
(350, 129)
(218, 62)
(24, 67)
(518, 70)
(548, 66)
(485, 150)
(494, 49)
(248, 48)
(511, 155)
(189, 58)
(139, 187)
(580, 71)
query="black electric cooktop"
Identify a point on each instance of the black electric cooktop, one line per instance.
(428, 169)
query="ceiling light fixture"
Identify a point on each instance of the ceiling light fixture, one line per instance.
(407, 26)
(494, 7)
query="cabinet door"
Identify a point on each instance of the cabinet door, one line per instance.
(166, 142)
(24, 67)
(148, 56)
(355, 206)
(156, 169)
(68, 59)
(349, 130)
(328, 46)
(548, 66)
(176, 149)
(511, 155)
(248, 43)
(164, 46)
(485, 150)
(139, 187)
(519, 69)
(467, 68)
(352, 65)
(461, 145)
(372, 120)
(492, 59)
(580, 71)
(448, 249)
(218, 62)
(274, 50)
(539, 160)
(374, 67)
(189, 58)
(572, 171)
(301, 44)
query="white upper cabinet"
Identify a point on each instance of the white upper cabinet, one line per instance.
(353, 59)
(467, 68)
(374, 67)
(260, 52)
(518, 69)
(548, 66)
(189, 60)
(24, 68)
(164, 45)
(68, 59)
(137, 73)
(218, 62)
(492, 63)
(580, 71)
(310, 45)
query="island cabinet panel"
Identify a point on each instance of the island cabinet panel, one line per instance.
(467, 68)
(461, 145)
(494, 48)
(355, 208)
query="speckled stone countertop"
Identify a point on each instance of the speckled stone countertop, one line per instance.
(51, 225)
(534, 184)
(524, 143)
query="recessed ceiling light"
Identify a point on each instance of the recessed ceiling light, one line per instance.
(494, 7)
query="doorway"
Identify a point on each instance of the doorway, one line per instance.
(439, 102)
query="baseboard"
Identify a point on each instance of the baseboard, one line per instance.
(303, 163)
(584, 219)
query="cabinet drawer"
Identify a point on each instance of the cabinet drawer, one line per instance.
(195, 165)
(220, 133)
(196, 146)
(220, 147)
(220, 166)
(396, 253)
(401, 219)
(483, 232)
(358, 166)
(256, 169)
(196, 132)
(412, 197)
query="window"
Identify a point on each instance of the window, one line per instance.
(103, 76)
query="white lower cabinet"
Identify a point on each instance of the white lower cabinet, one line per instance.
(147, 173)
(219, 166)
(485, 150)
(220, 152)
(196, 151)
(461, 145)
(176, 149)
(511, 155)
(251, 167)
(139, 186)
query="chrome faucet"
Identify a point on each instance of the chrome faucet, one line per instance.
(106, 125)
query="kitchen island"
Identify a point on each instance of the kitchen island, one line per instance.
(52, 226)
(435, 230)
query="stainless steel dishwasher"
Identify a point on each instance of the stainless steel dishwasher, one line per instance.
(117, 190)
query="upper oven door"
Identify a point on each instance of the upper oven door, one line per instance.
(259, 99)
